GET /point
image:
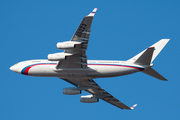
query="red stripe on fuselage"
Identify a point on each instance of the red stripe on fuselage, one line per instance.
(28, 68)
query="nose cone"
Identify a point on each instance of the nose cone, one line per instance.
(14, 68)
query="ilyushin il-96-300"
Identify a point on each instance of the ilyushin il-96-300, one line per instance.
(72, 66)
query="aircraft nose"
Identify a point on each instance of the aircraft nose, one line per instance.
(14, 68)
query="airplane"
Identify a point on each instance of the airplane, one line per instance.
(72, 66)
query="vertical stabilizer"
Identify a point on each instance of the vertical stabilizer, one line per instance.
(157, 49)
(147, 56)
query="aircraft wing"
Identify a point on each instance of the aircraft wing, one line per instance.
(81, 37)
(93, 88)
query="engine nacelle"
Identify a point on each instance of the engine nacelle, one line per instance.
(71, 91)
(67, 45)
(58, 56)
(89, 99)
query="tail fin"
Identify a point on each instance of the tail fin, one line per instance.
(147, 56)
(157, 49)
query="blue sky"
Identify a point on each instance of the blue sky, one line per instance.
(30, 29)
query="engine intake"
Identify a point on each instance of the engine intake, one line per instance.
(71, 91)
(89, 99)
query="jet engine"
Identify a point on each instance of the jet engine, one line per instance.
(58, 56)
(67, 44)
(71, 91)
(89, 99)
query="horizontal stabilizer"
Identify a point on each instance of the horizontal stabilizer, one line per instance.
(150, 71)
(145, 58)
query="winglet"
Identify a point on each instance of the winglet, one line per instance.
(93, 12)
(133, 106)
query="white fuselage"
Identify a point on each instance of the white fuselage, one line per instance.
(95, 69)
